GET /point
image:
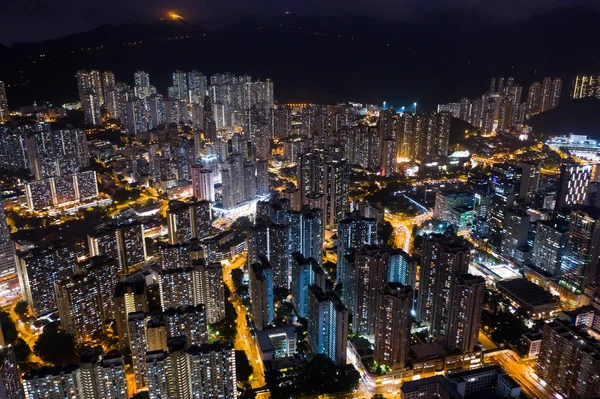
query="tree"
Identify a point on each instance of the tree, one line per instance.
(22, 308)
(385, 231)
(237, 276)
(280, 294)
(243, 369)
(322, 376)
(22, 350)
(55, 345)
(9, 330)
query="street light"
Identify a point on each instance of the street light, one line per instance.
(415, 105)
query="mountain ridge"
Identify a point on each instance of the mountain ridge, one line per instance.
(437, 58)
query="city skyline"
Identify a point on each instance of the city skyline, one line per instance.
(185, 234)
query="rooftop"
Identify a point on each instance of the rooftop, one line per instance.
(527, 292)
(441, 381)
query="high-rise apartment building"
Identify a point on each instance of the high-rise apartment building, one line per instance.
(262, 177)
(585, 86)
(105, 271)
(466, 305)
(336, 186)
(327, 324)
(198, 87)
(304, 272)
(203, 184)
(403, 268)
(90, 94)
(508, 184)
(443, 259)
(187, 221)
(569, 360)
(369, 275)
(515, 232)
(579, 265)
(261, 293)
(4, 112)
(124, 242)
(549, 245)
(210, 127)
(79, 306)
(156, 334)
(392, 325)
(141, 84)
(423, 136)
(189, 322)
(100, 376)
(129, 297)
(209, 289)
(304, 233)
(7, 247)
(354, 232)
(572, 185)
(206, 371)
(179, 88)
(38, 270)
(10, 376)
(176, 288)
(111, 95)
(175, 256)
(138, 344)
(51, 382)
(268, 240)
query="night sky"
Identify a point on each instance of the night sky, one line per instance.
(35, 20)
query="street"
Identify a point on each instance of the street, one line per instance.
(244, 340)
(403, 228)
(24, 332)
(522, 373)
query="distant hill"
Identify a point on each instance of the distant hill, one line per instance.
(436, 58)
(110, 35)
(576, 116)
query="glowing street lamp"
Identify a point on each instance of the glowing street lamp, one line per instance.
(415, 105)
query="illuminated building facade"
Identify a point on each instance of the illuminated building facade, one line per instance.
(209, 289)
(79, 306)
(4, 114)
(466, 304)
(549, 245)
(569, 360)
(579, 265)
(10, 379)
(138, 344)
(354, 232)
(38, 269)
(261, 293)
(327, 324)
(89, 87)
(443, 259)
(205, 371)
(392, 325)
(124, 242)
(268, 240)
(572, 185)
(203, 184)
(129, 297)
(189, 322)
(187, 221)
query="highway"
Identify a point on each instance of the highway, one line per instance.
(244, 340)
